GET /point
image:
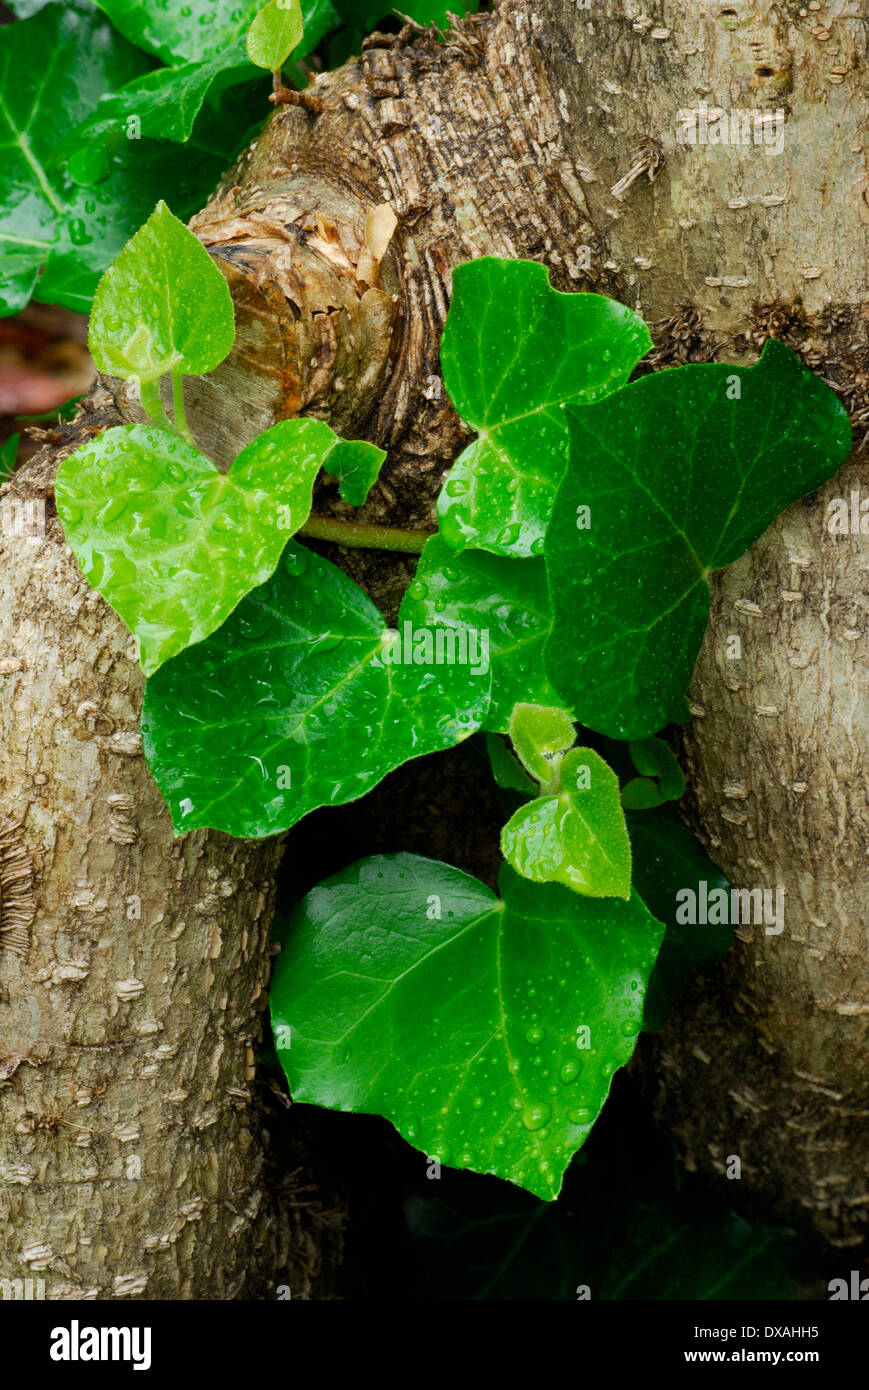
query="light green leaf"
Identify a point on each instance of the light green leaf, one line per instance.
(537, 732)
(682, 471)
(172, 544)
(513, 351)
(507, 600)
(163, 306)
(486, 1030)
(577, 837)
(304, 698)
(274, 33)
(356, 464)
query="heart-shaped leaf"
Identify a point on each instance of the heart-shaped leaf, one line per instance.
(507, 599)
(202, 29)
(274, 33)
(171, 543)
(672, 477)
(303, 699)
(487, 1030)
(513, 351)
(165, 283)
(576, 837)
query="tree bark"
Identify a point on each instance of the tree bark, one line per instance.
(133, 970)
(506, 139)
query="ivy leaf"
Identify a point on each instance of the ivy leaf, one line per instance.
(577, 837)
(166, 102)
(667, 857)
(201, 29)
(356, 465)
(537, 732)
(507, 599)
(302, 699)
(274, 33)
(507, 771)
(662, 778)
(53, 68)
(162, 306)
(513, 351)
(505, 1018)
(682, 471)
(8, 455)
(172, 544)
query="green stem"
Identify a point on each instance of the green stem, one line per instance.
(181, 424)
(153, 405)
(360, 536)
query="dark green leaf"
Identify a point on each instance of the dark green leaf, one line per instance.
(8, 454)
(507, 599)
(507, 770)
(668, 857)
(513, 351)
(165, 102)
(682, 471)
(302, 699)
(505, 1018)
(53, 69)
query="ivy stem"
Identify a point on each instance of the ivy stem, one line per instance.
(360, 536)
(178, 410)
(153, 405)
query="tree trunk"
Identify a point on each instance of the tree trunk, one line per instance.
(506, 139)
(133, 970)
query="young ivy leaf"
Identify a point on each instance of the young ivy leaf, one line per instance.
(513, 351)
(506, 1017)
(302, 699)
(274, 33)
(507, 600)
(662, 778)
(578, 836)
(162, 306)
(356, 465)
(537, 731)
(674, 476)
(172, 544)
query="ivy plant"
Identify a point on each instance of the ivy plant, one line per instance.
(558, 611)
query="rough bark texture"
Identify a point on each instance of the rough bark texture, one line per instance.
(132, 975)
(506, 139)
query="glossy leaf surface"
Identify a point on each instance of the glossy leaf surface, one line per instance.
(486, 1029)
(514, 350)
(682, 471)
